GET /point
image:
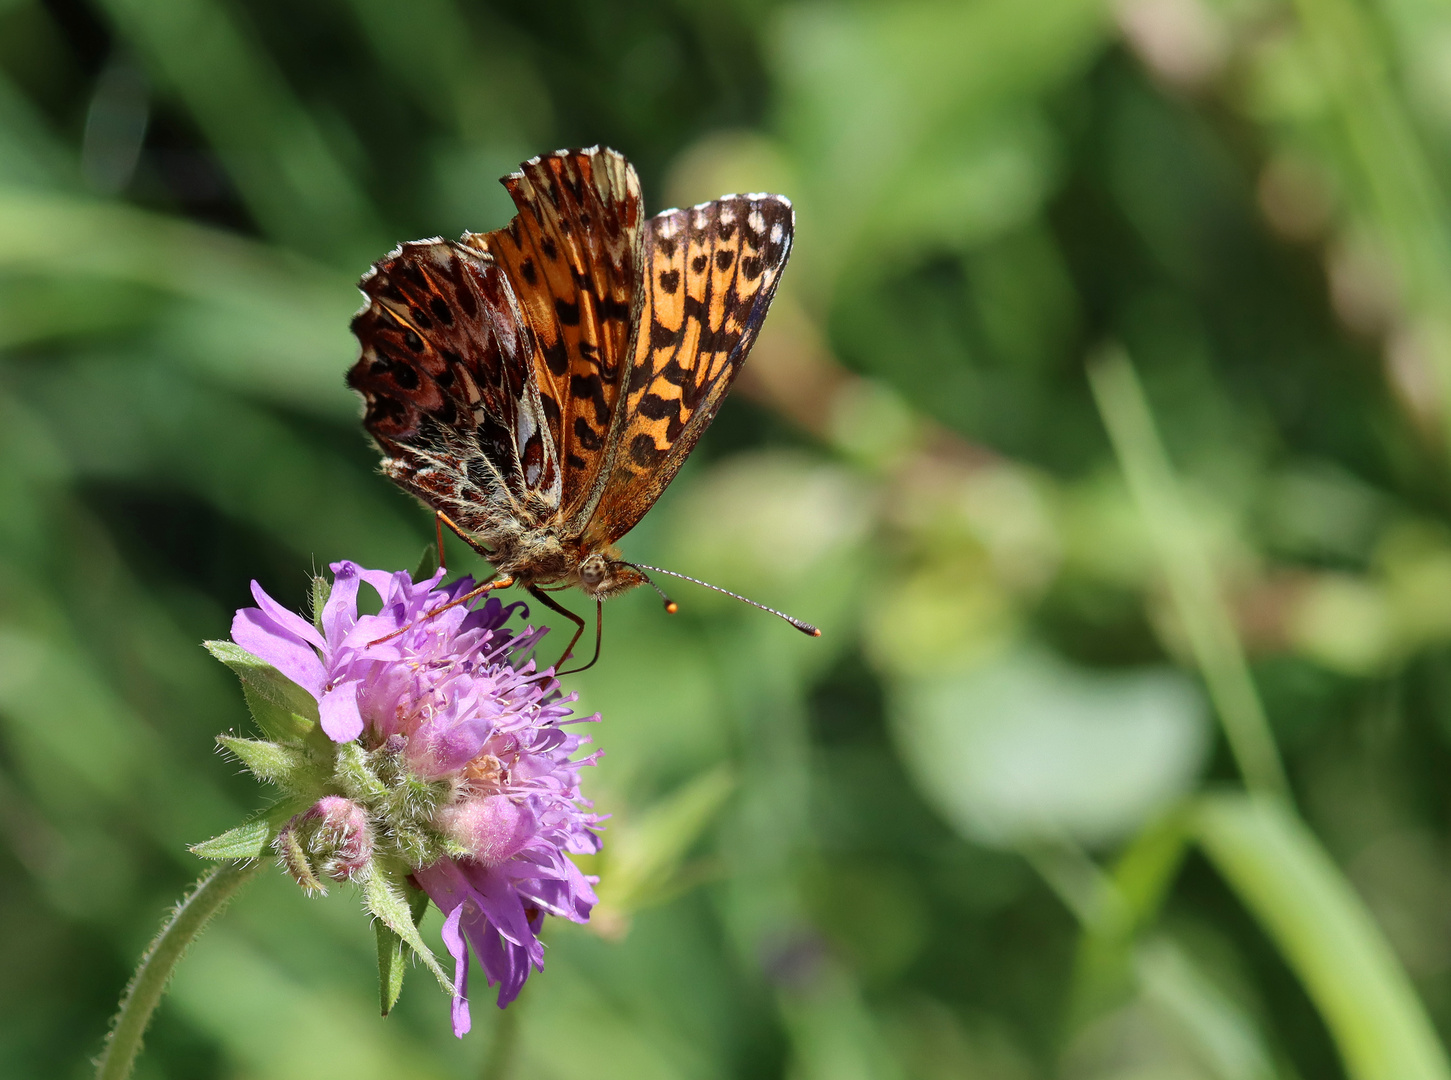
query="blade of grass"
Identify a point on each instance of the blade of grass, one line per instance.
(1390, 168)
(1196, 596)
(1325, 933)
(261, 317)
(273, 149)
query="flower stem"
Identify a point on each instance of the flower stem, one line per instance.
(499, 1065)
(144, 991)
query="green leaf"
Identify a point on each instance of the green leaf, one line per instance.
(428, 564)
(1026, 748)
(385, 891)
(646, 853)
(252, 838)
(282, 709)
(1325, 933)
(392, 956)
(1141, 879)
(287, 766)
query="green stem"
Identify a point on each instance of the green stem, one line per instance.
(144, 991)
(1198, 602)
(499, 1065)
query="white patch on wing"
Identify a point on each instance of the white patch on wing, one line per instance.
(522, 434)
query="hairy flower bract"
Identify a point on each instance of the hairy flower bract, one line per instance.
(452, 763)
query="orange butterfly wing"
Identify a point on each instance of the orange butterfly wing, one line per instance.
(711, 271)
(573, 253)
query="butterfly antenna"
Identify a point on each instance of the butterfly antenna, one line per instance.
(804, 627)
(671, 607)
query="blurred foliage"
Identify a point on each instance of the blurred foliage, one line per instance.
(985, 826)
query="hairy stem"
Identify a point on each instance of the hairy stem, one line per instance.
(144, 991)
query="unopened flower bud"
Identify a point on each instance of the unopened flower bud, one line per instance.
(332, 837)
(492, 827)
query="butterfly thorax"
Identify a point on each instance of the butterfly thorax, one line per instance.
(539, 557)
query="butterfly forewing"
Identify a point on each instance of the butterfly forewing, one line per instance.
(447, 381)
(573, 253)
(710, 273)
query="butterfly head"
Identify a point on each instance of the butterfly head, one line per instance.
(603, 575)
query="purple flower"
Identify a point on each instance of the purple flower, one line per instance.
(451, 706)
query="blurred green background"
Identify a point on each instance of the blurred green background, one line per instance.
(1101, 422)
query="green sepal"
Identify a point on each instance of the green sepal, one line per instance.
(428, 565)
(253, 838)
(322, 588)
(385, 891)
(289, 767)
(282, 709)
(294, 859)
(353, 771)
(392, 954)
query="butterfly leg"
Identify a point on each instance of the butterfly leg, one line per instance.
(438, 529)
(599, 635)
(488, 586)
(554, 605)
(440, 519)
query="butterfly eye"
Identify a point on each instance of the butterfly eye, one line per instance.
(592, 572)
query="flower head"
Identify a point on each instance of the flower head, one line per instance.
(451, 764)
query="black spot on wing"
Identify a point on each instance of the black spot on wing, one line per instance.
(644, 452)
(618, 310)
(655, 407)
(556, 358)
(590, 388)
(588, 437)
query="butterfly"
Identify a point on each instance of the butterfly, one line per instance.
(539, 386)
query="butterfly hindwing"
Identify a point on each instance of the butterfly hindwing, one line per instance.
(710, 273)
(447, 379)
(573, 253)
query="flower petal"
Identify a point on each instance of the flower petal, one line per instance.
(500, 902)
(506, 964)
(260, 635)
(341, 610)
(459, 950)
(338, 710)
(288, 620)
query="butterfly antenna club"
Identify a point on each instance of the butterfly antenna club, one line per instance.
(670, 606)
